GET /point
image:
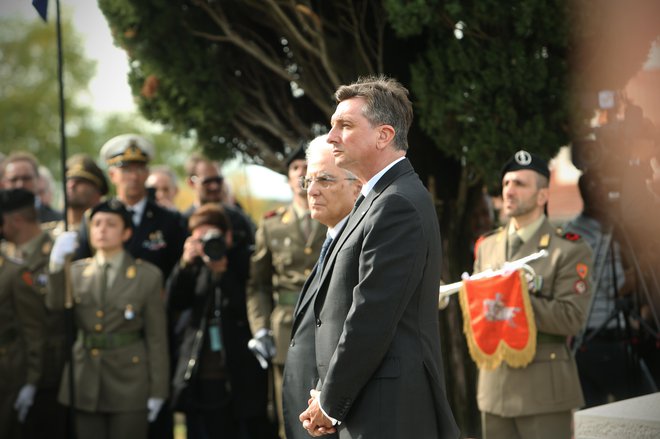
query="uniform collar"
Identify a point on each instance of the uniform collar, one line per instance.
(525, 233)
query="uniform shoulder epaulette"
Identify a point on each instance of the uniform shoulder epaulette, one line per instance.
(491, 233)
(569, 236)
(484, 236)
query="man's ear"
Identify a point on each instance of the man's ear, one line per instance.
(544, 196)
(385, 136)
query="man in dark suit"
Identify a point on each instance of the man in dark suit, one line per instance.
(331, 192)
(377, 337)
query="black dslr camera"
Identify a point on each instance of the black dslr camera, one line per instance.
(214, 245)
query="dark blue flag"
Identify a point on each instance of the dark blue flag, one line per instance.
(42, 8)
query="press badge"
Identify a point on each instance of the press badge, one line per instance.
(214, 336)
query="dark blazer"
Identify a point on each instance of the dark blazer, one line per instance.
(377, 337)
(300, 373)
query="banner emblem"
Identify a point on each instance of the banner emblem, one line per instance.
(498, 320)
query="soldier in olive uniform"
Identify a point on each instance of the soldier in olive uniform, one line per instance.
(21, 340)
(121, 354)
(536, 401)
(86, 184)
(287, 245)
(47, 418)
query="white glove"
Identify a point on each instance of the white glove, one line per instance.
(154, 405)
(24, 401)
(65, 244)
(263, 347)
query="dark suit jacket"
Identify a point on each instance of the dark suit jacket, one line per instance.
(377, 336)
(300, 373)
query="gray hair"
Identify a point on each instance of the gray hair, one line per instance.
(317, 146)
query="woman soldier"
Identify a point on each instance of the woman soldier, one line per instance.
(120, 355)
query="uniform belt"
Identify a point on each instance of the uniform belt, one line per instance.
(8, 336)
(110, 340)
(289, 298)
(542, 337)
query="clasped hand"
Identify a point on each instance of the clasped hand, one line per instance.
(313, 420)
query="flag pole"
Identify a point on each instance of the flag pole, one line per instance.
(70, 327)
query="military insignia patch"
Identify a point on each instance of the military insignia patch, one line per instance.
(155, 242)
(571, 236)
(130, 272)
(580, 287)
(27, 278)
(582, 270)
(89, 270)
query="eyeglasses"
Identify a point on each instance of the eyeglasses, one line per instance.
(208, 180)
(325, 181)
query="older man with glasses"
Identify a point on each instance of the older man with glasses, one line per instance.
(287, 245)
(331, 193)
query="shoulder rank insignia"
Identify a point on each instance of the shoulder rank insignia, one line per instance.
(46, 248)
(544, 242)
(131, 272)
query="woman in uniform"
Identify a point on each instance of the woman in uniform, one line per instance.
(120, 355)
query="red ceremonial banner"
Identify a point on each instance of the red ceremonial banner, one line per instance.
(498, 320)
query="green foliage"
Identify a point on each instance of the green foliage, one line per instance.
(29, 98)
(502, 86)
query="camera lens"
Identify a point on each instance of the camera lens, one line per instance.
(214, 245)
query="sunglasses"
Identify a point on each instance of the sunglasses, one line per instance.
(208, 180)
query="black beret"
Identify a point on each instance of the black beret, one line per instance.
(84, 167)
(296, 154)
(14, 199)
(526, 160)
(115, 206)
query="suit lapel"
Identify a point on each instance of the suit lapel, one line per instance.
(401, 168)
(309, 290)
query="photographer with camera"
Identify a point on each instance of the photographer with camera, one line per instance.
(218, 383)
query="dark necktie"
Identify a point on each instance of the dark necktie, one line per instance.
(324, 250)
(103, 282)
(132, 213)
(513, 246)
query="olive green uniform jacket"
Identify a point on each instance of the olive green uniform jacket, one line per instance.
(122, 377)
(54, 324)
(282, 260)
(550, 382)
(21, 339)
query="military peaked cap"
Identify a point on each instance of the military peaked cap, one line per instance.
(127, 148)
(84, 167)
